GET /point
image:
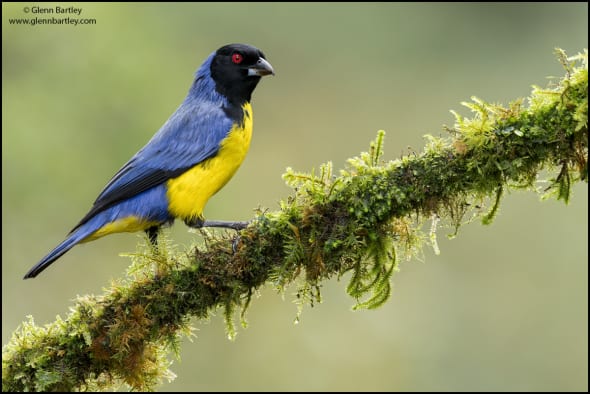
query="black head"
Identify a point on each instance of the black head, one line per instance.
(237, 69)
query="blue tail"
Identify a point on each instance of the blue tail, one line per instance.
(150, 206)
(60, 250)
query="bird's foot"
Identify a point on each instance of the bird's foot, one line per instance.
(235, 243)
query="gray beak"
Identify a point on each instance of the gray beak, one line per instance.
(261, 68)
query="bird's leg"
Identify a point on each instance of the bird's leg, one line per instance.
(199, 223)
(224, 224)
(152, 234)
(196, 222)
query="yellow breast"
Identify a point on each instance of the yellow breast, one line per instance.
(188, 193)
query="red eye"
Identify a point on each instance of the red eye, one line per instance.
(236, 58)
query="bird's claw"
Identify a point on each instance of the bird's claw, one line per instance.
(235, 243)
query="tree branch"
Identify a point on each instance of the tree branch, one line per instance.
(358, 221)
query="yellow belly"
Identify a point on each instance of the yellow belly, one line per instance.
(188, 193)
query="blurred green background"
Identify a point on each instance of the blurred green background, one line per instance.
(503, 307)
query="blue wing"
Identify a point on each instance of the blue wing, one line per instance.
(191, 135)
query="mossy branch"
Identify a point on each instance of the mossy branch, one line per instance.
(363, 221)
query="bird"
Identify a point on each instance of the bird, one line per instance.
(190, 158)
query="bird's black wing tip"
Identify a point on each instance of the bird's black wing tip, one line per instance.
(31, 274)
